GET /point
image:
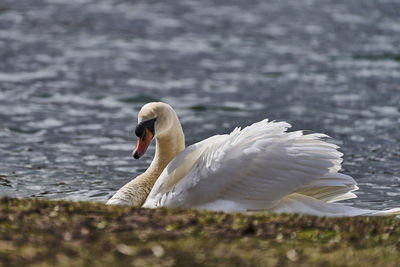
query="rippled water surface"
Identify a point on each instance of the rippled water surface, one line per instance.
(73, 75)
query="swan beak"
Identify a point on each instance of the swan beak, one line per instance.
(142, 144)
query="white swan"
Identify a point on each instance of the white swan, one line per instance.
(259, 168)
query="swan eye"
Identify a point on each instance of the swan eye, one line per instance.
(146, 124)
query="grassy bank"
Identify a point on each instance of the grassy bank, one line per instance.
(42, 233)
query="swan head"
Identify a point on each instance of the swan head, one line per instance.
(155, 120)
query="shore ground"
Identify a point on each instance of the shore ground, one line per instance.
(59, 233)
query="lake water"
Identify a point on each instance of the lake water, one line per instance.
(73, 75)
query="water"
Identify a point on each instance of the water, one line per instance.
(73, 75)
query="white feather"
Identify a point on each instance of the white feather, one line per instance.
(261, 167)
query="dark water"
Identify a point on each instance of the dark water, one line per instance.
(73, 75)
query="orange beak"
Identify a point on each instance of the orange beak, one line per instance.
(142, 144)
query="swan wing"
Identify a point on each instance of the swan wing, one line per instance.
(251, 169)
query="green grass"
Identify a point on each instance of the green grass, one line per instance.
(59, 233)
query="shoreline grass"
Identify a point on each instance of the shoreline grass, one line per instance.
(60, 233)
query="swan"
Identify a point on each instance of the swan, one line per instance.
(256, 169)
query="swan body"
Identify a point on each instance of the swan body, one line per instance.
(259, 168)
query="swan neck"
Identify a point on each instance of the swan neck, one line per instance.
(167, 147)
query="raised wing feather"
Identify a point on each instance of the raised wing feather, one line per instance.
(249, 169)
